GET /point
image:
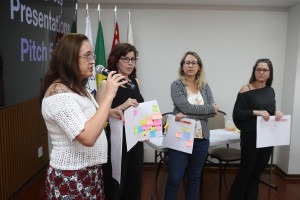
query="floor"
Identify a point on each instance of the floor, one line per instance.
(286, 189)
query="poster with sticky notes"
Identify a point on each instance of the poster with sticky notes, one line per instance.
(142, 122)
(179, 135)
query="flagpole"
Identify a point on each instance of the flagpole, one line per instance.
(116, 38)
(129, 15)
(115, 10)
(129, 29)
(87, 9)
(99, 12)
(75, 16)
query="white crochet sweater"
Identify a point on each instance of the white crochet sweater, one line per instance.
(65, 115)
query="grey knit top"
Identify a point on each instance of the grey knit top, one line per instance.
(197, 112)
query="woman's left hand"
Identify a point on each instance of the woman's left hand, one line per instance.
(116, 113)
(179, 116)
(278, 115)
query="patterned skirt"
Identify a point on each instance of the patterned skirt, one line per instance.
(86, 183)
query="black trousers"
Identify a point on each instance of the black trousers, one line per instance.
(130, 186)
(253, 163)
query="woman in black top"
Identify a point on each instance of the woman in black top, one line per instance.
(254, 99)
(123, 59)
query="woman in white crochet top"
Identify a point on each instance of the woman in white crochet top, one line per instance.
(75, 122)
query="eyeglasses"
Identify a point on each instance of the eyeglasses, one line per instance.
(90, 58)
(193, 63)
(126, 60)
(262, 70)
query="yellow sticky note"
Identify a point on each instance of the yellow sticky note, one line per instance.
(155, 108)
(167, 125)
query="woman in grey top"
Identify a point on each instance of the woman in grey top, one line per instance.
(193, 99)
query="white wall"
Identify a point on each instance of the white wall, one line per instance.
(229, 41)
(288, 156)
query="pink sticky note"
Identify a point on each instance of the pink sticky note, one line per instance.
(149, 121)
(178, 134)
(135, 112)
(156, 115)
(189, 143)
(157, 122)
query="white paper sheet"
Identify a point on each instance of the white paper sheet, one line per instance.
(272, 132)
(142, 123)
(222, 136)
(116, 136)
(180, 135)
(217, 137)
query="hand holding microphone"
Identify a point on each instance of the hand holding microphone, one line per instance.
(102, 70)
(112, 84)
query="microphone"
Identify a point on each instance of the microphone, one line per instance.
(102, 70)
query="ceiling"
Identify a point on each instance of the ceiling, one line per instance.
(259, 3)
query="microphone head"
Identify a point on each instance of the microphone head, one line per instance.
(99, 69)
(131, 86)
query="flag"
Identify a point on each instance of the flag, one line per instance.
(100, 52)
(88, 29)
(74, 22)
(74, 25)
(129, 30)
(91, 84)
(116, 39)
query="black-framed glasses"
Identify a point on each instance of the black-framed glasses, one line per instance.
(193, 63)
(90, 58)
(126, 60)
(262, 70)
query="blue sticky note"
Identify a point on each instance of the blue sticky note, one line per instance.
(185, 135)
(152, 134)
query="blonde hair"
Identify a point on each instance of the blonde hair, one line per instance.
(200, 78)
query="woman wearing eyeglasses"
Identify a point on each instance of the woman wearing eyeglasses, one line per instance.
(123, 59)
(192, 98)
(254, 99)
(75, 122)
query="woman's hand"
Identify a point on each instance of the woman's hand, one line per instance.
(129, 102)
(113, 82)
(115, 113)
(217, 109)
(265, 115)
(179, 116)
(278, 115)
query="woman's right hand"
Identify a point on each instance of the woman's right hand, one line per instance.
(113, 82)
(217, 109)
(265, 115)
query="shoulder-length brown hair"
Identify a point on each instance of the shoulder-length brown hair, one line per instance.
(64, 65)
(270, 65)
(120, 50)
(200, 79)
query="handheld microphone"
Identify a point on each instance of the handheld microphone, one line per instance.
(102, 70)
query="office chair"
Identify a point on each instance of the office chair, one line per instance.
(161, 159)
(222, 154)
(164, 120)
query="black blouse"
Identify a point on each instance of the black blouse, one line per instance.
(258, 99)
